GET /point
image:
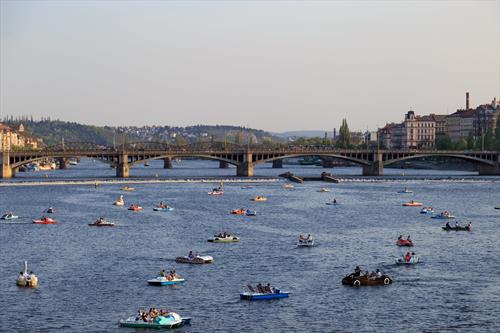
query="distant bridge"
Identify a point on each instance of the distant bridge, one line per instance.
(243, 157)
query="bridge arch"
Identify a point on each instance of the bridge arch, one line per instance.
(207, 157)
(473, 159)
(345, 158)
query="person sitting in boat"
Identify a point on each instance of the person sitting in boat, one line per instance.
(260, 289)
(378, 273)
(268, 288)
(334, 200)
(357, 271)
(407, 257)
(469, 225)
(162, 273)
(448, 225)
(408, 238)
(400, 237)
(301, 238)
(190, 255)
(456, 224)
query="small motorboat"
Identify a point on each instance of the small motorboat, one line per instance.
(119, 201)
(498, 207)
(333, 203)
(101, 222)
(167, 321)
(443, 216)
(239, 211)
(9, 216)
(403, 260)
(366, 280)
(45, 220)
(49, 210)
(250, 212)
(146, 164)
(135, 208)
(323, 190)
(259, 198)
(405, 191)
(287, 186)
(26, 279)
(165, 280)
(427, 210)
(457, 227)
(412, 204)
(127, 188)
(404, 242)
(224, 238)
(305, 241)
(246, 187)
(194, 259)
(254, 295)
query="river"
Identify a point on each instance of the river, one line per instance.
(89, 278)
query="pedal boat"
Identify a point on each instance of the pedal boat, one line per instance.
(194, 260)
(323, 190)
(9, 216)
(457, 228)
(27, 280)
(45, 220)
(172, 320)
(216, 192)
(443, 216)
(165, 281)
(250, 212)
(226, 239)
(119, 201)
(357, 281)
(305, 242)
(135, 208)
(413, 204)
(256, 296)
(101, 222)
(126, 188)
(239, 211)
(427, 210)
(404, 242)
(163, 209)
(287, 186)
(402, 261)
(405, 191)
(259, 198)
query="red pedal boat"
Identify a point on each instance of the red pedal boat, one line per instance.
(45, 220)
(404, 242)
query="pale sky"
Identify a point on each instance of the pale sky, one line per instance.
(274, 65)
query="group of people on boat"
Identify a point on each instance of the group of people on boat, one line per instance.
(358, 272)
(409, 257)
(401, 238)
(223, 235)
(304, 239)
(170, 276)
(267, 289)
(457, 225)
(26, 275)
(149, 316)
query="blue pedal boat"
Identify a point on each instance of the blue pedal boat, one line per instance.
(255, 296)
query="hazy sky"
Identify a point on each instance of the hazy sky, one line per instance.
(273, 65)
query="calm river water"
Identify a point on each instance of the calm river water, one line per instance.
(89, 278)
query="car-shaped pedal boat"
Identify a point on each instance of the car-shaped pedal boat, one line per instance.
(9, 216)
(357, 281)
(404, 242)
(45, 220)
(224, 239)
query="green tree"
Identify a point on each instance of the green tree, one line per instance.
(444, 143)
(344, 140)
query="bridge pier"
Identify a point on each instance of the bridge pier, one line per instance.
(5, 168)
(277, 164)
(122, 169)
(245, 168)
(63, 163)
(376, 168)
(223, 165)
(489, 170)
(167, 163)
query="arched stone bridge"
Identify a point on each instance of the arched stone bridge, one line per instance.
(244, 158)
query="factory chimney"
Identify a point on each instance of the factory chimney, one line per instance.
(466, 101)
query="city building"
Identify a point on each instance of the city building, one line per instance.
(415, 132)
(486, 118)
(11, 138)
